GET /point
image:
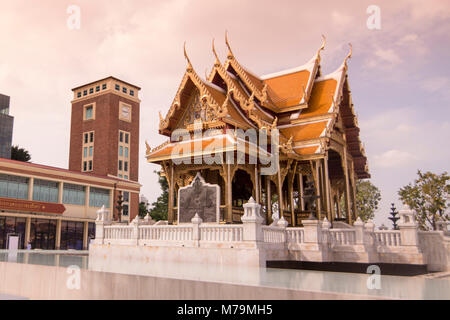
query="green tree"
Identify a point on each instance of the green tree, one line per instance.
(20, 154)
(368, 197)
(160, 207)
(142, 210)
(428, 195)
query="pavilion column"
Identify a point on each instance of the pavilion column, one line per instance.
(300, 191)
(338, 203)
(229, 182)
(280, 193)
(327, 187)
(318, 201)
(256, 184)
(171, 189)
(269, 199)
(347, 188)
(353, 179)
(291, 198)
(260, 186)
(85, 235)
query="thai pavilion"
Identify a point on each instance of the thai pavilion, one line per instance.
(318, 132)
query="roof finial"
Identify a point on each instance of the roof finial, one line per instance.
(230, 53)
(349, 55)
(217, 62)
(324, 41)
(189, 67)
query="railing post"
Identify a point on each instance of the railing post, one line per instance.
(135, 231)
(312, 231)
(408, 228)
(252, 221)
(196, 221)
(100, 222)
(325, 231)
(359, 231)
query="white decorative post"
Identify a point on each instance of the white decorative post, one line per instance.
(326, 225)
(312, 229)
(359, 231)
(100, 222)
(408, 228)
(135, 232)
(369, 229)
(196, 221)
(252, 221)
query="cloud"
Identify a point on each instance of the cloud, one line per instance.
(394, 158)
(436, 84)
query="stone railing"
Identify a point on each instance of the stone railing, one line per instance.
(273, 234)
(118, 232)
(295, 235)
(342, 236)
(165, 233)
(388, 238)
(221, 233)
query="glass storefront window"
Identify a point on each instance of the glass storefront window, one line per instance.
(71, 235)
(12, 225)
(43, 234)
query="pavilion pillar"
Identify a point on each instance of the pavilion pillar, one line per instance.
(229, 182)
(256, 184)
(269, 199)
(280, 192)
(353, 179)
(171, 194)
(347, 187)
(327, 187)
(300, 191)
(291, 198)
(338, 203)
(318, 201)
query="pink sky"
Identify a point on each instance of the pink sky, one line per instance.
(399, 75)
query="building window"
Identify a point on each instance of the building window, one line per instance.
(91, 90)
(43, 234)
(98, 197)
(85, 93)
(74, 194)
(117, 87)
(89, 112)
(79, 94)
(131, 92)
(14, 187)
(88, 151)
(45, 191)
(123, 156)
(97, 88)
(104, 86)
(124, 90)
(126, 203)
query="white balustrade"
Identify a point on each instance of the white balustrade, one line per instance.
(295, 235)
(165, 233)
(221, 233)
(273, 234)
(388, 238)
(118, 232)
(342, 236)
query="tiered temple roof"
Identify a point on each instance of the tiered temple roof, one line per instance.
(311, 110)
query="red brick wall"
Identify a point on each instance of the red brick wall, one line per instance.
(106, 126)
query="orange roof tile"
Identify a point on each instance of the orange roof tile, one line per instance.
(306, 150)
(321, 98)
(287, 90)
(305, 131)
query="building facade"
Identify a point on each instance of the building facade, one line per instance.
(6, 128)
(313, 116)
(55, 208)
